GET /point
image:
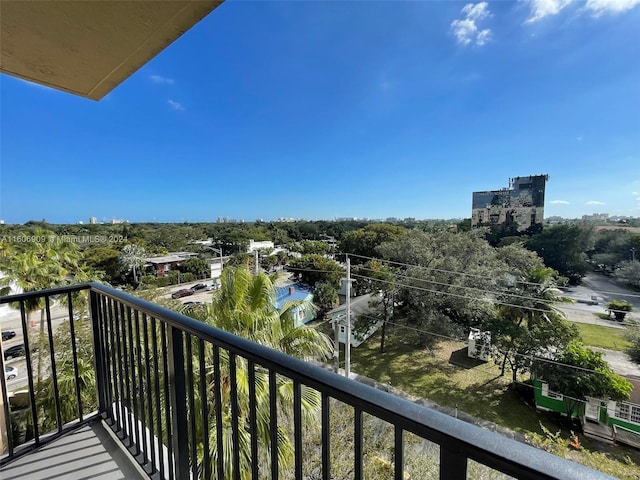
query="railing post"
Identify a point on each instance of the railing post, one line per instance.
(99, 349)
(453, 464)
(180, 438)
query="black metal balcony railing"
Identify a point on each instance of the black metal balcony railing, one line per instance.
(160, 379)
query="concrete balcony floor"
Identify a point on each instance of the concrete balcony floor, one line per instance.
(90, 452)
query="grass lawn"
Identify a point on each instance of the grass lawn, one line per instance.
(476, 389)
(603, 337)
(479, 391)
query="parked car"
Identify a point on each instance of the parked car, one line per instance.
(199, 286)
(14, 351)
(10, 372)
(8, 334)
(185, 292)
(210, 288)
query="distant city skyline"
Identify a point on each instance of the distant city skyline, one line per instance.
(595, 217)
(322, 110)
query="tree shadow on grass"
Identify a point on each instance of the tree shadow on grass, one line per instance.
(402, 364)
(461, 359)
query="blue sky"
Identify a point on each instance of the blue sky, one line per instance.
(332, 109)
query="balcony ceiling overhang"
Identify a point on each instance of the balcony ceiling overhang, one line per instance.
(90, 47)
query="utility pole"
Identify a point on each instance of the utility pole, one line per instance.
(633, 254)
(336, 345)
(347, 342)
(257, 266)
(4, 441)
(219, 252)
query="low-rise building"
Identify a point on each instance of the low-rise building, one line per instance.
(365, 311)
(601, 418)
(304, 311)
(161, 266)
(253, 245)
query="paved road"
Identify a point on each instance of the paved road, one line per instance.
(603, 289)
(200, 296)
(12, 321)
(608, 289)
(21, 380)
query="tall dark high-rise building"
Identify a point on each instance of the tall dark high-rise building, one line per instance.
(521, 206)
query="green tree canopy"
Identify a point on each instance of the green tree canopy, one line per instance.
(449, 276)
(309, 247)
(325, 297)
(629, 272)
(195, 266)
(526, 322)
(105, 260)
(365, 240)
(564, 248)
(613, 247)
(312, 269)
(582, 373)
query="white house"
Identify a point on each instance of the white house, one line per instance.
(253, 245)
(297, 293)
(364, 310)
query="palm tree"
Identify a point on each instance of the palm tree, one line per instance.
(133, 257)
(38, 265)
(530, 323)
(245, 306)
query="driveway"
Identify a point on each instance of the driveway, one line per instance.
(619, 362)
(608, 289)
(603, 289)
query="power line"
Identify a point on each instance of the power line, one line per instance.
(548, 302)
(312, 270)
(502, 352)
(486, 372)
(440, 292)
(475, 275)
(415, 287)
(495, 301)
(408, 277)
(472, 274)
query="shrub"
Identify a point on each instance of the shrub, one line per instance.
(619, 308)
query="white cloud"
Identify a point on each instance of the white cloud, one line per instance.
(635, 193)
(483, 37)
(161, 80)
(594, 202)
(559, 202)
(638, 199)
(599, 7)
(176, 105)
(466, 29)
(477, 11)
(545, 8)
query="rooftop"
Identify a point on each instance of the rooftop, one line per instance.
(295, 292)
